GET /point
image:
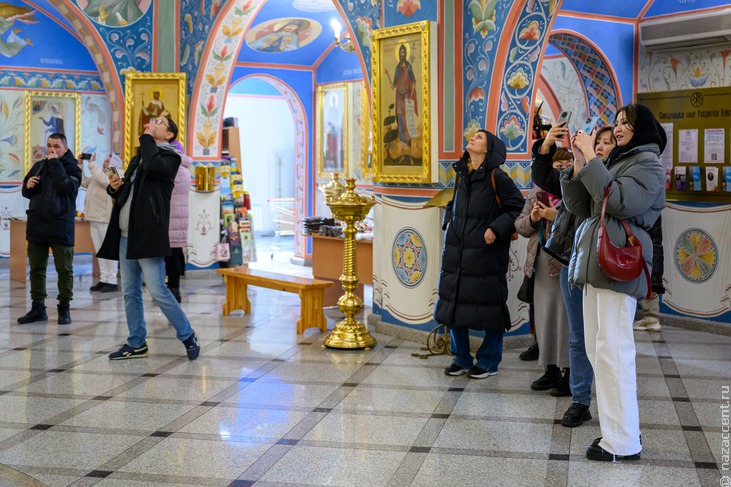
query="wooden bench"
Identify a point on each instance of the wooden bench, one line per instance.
(311, 292)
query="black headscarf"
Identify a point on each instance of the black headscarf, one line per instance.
(647, 131)
(496, 152)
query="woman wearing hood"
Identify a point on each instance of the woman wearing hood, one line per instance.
(636, 181)
(473, 287)
(178, 231)
(97, 211)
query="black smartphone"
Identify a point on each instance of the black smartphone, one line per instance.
(85, 156)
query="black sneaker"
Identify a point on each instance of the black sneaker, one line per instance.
(97, 287)
(530, 354)
(551, 378)
(109, 288)
(480, 373)
(455, 369)
(191, 347)
(575, 415)
(129, 352)
(599, 454)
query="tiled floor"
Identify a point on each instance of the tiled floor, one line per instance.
(263, 406)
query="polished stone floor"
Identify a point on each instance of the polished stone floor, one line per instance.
(263, 406)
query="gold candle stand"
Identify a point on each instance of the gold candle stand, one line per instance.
(350, 333)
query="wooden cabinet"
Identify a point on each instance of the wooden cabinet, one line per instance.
(327, 263)
(230, 143)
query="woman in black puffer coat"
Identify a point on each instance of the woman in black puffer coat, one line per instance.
(473, 288)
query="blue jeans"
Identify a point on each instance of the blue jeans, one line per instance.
(153, 269)
(489, 355)
(581, 374)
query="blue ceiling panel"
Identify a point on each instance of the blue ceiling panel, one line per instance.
(682, 6)
(625, 8)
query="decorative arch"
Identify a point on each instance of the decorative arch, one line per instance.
(510, 109)
(595, 72)
(299, 115)
(103, 60)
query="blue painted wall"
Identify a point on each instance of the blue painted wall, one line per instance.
(338, 66)
(616, 42)
(41, 53)
(398, 12)
(675, 6)
(253, 86)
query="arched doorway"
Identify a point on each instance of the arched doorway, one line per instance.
(268, 109)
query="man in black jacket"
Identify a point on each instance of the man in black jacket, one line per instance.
(51, 185)
(137, 236)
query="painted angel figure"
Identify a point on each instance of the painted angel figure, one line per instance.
(9, 14)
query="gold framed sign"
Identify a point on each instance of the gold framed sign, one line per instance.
(48, 112)
(148, 96)
(404, 104)
(332, 129)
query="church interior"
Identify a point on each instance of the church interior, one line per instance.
(322, 136)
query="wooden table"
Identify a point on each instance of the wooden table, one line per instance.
(19, 247)
(327, 263)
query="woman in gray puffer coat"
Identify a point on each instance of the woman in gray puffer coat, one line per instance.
(637, 194)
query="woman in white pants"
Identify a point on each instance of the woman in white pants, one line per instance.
(97, 211)
(637, 194)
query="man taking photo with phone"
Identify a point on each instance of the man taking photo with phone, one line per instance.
(138, 237)
(51, 185)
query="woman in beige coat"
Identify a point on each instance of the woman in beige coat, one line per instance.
(97, 211)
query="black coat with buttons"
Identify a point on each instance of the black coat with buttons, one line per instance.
(149, 181)
(473, 287)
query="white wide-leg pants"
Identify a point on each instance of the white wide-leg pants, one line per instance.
(107, 268)
(610, 346)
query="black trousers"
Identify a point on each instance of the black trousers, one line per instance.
(175, 267)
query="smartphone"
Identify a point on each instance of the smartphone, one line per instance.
(591, 124)
(543, 197)
(113, 170)
(564, 117)
(85, 156)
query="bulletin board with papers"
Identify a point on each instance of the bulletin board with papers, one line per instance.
(697, 158)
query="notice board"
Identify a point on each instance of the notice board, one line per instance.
(697, 158)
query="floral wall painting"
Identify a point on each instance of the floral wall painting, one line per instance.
(403, 97)
(148, 96)
(11, 136)
(332, 127)
(114, 13)
(12, 44)
(48, 112)
(684, 69)
(283, 34)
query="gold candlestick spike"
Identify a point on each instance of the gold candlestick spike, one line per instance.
(350, 208)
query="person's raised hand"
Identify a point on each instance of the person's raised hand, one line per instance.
(115, 181)
(557, 132)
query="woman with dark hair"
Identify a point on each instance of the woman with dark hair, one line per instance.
(473, 287)
(552, 333)
(559, 245)
(634, 180)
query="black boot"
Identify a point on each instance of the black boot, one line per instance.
(531, 353)
(563, 388)
(37, 313)
(548, 380)
(64, 313)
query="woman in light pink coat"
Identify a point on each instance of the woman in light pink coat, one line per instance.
(178, 232)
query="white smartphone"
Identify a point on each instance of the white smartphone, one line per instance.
(591, 124)
(564, 117)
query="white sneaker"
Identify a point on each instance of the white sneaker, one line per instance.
(649, 323)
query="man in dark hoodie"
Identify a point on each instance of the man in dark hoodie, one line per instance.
(51, 185)
(138, 237)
